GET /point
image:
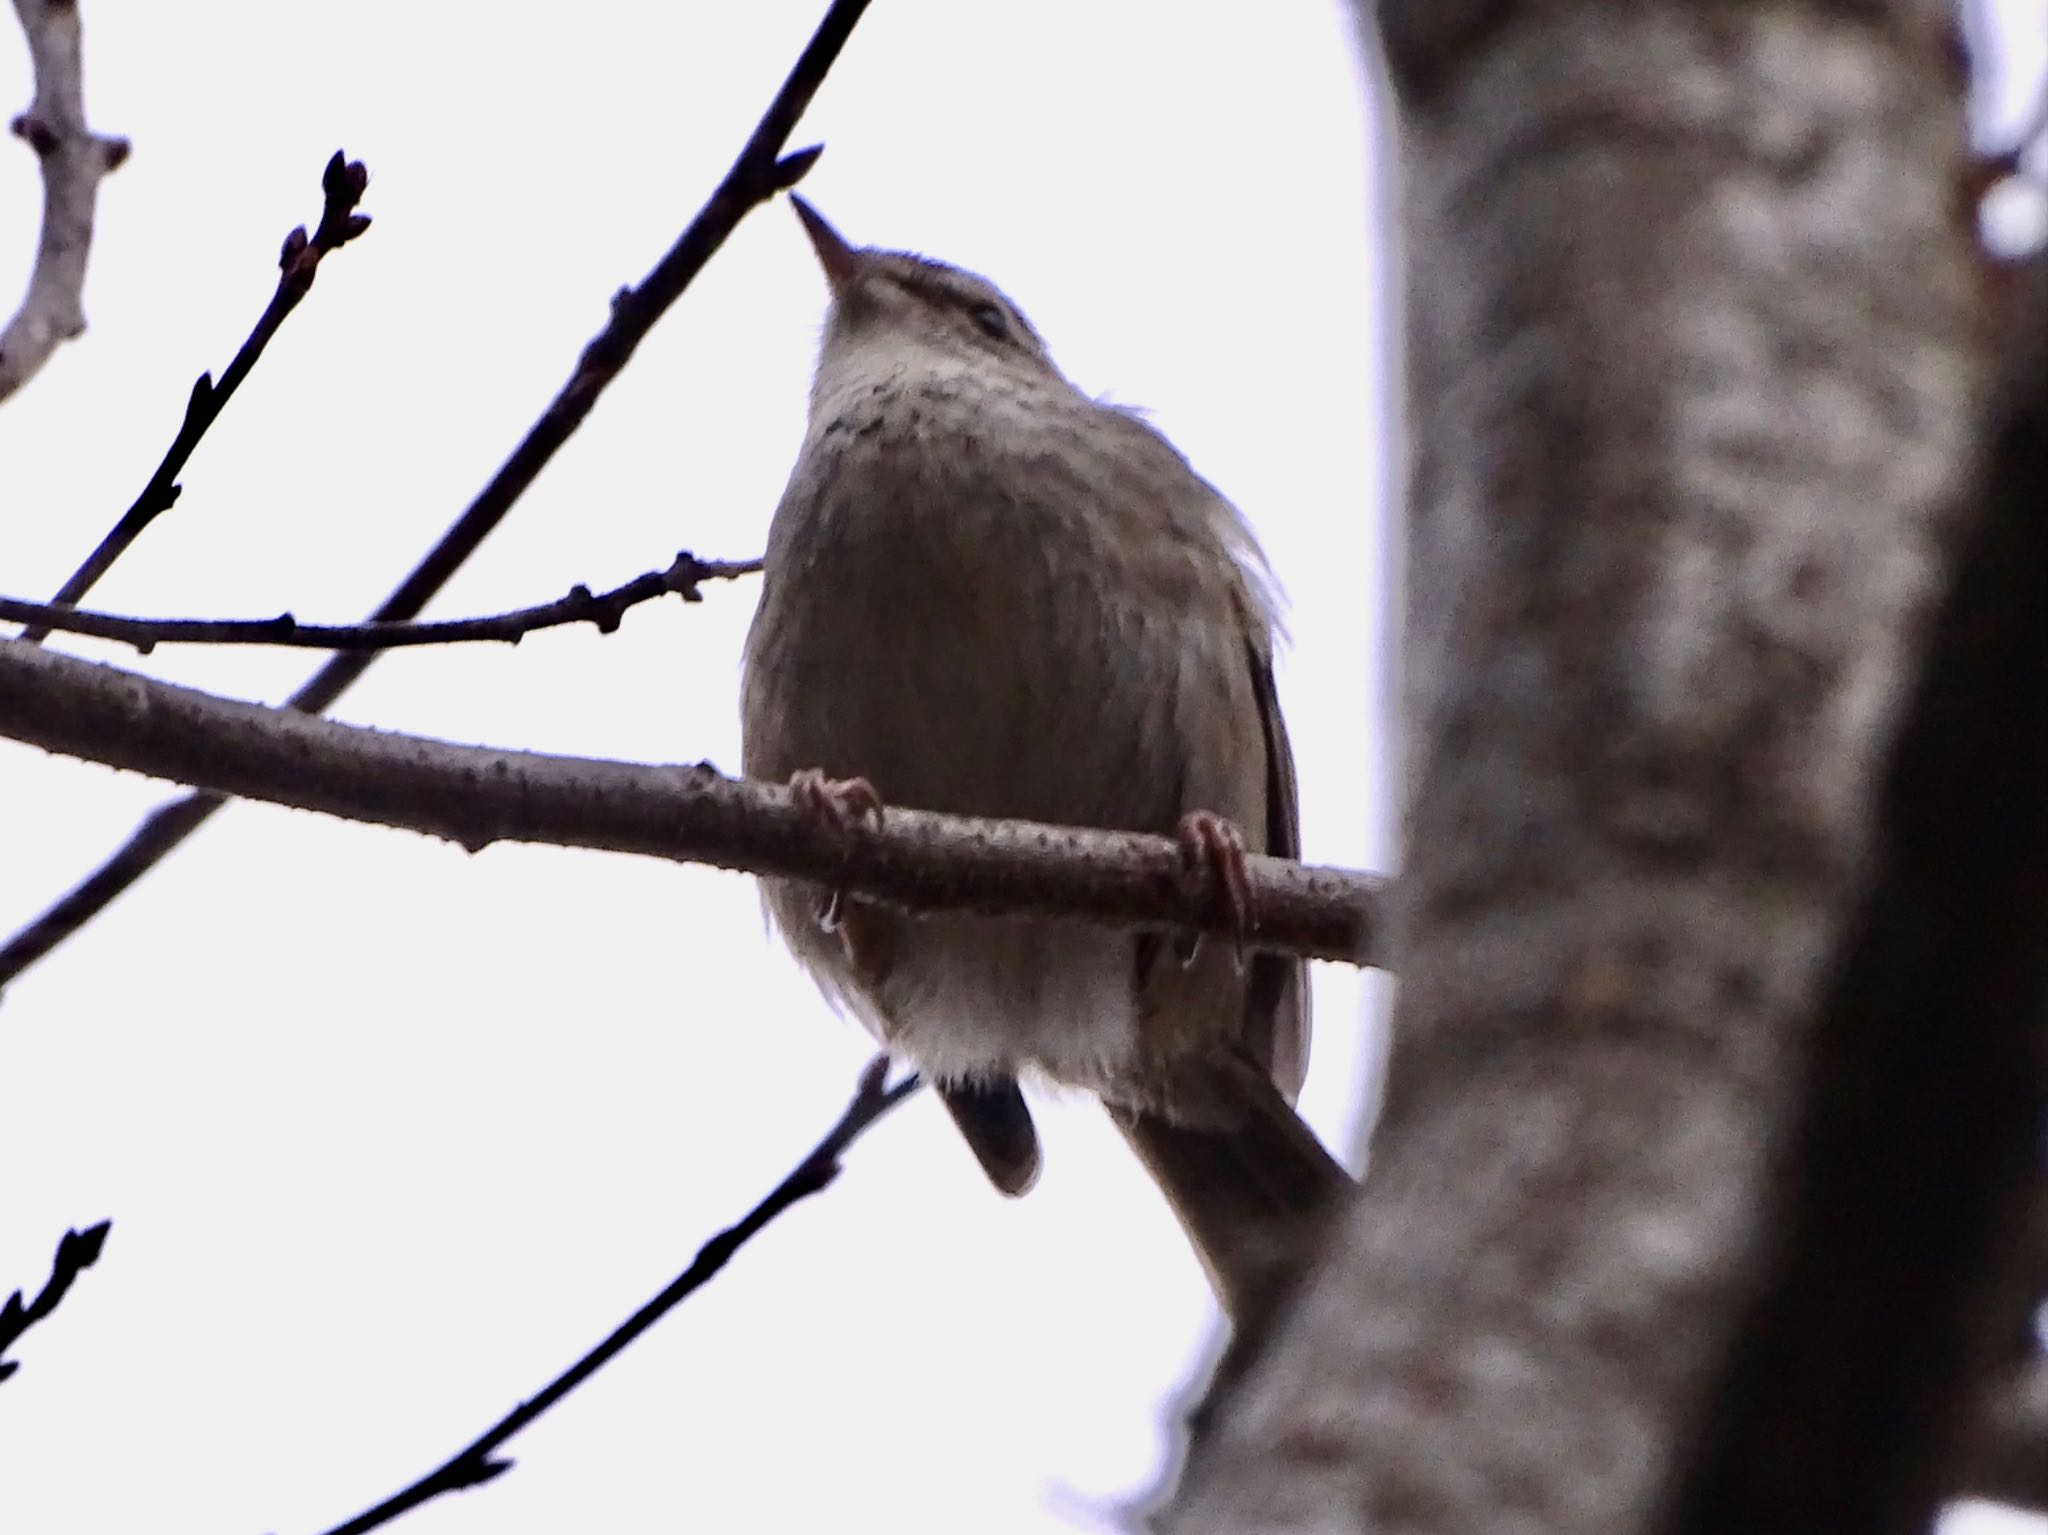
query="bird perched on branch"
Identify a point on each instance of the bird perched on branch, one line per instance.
(987, 594)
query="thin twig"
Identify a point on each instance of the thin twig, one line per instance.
(760, 172)
(477, 1462)
(341, 184)
(581, 605)
(76, 1252)
(475, 796)
(74, 160)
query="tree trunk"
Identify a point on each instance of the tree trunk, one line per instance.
(1696, 382)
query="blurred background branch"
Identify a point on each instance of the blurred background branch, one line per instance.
(74, 160)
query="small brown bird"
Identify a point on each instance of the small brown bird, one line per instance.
(986, 593)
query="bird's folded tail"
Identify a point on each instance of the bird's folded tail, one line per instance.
(996, 1123)
(1251, 1185)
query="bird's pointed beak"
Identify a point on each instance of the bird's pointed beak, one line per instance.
(839, 259)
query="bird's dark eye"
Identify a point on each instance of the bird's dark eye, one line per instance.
(990, 320)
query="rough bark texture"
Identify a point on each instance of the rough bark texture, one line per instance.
(1898, 1282)
(1695, 374)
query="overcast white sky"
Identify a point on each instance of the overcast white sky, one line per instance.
(390, 1133)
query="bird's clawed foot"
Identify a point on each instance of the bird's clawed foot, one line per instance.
(1213, 847)
(841, 806)
(837, 804)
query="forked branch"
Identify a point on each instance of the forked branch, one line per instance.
(759, 173)
(74, 161)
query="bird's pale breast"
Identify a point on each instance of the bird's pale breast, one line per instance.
(983, 602)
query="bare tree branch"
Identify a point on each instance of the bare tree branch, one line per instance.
(581, 605)
(759, 173)
(74, 159)
(475, 796)
(342, 184)
(76, 1252)
(477, 1462)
